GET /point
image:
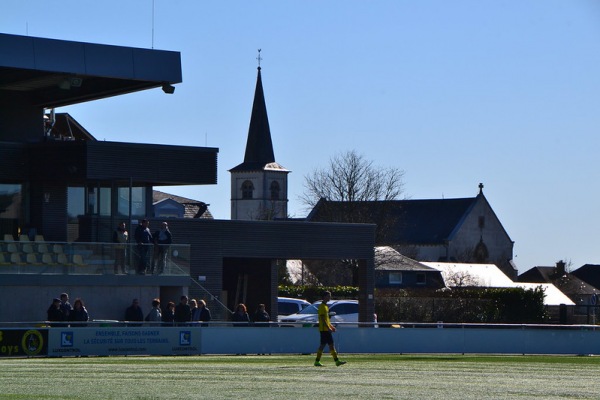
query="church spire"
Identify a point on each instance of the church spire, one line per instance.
(259, 147)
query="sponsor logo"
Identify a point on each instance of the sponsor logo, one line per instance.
(66, 339)
(32, 342)
(185, 338)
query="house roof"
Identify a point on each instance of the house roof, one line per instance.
(589, 273)
(568, 283)
(192, 207)
(259, 154)
(416, 221)
(53, 73)
(388, 259)
(489, 275)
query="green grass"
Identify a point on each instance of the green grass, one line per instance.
(294, 377)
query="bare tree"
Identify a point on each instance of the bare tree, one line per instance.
(350, 177)
(357, 184)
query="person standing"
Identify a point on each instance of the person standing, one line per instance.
(121, 237)
(54, 312)
(65, 306)
(261, 315)
(204, 312)
(168, 315)
(195, 310)
(183, 311)
(162, 240)
(155, 315)
(143, 238)
(134, 312)
(79, 313)
(325, 330)
(241, 315)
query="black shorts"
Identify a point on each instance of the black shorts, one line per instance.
(326, 337)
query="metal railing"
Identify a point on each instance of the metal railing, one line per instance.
(79, 258)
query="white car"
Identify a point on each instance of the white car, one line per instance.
(340, 311)
(289, 305)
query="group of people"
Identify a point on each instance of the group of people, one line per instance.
(61, 310)
(189, 311)
(183, 313)
(145, 240)
(241, 315)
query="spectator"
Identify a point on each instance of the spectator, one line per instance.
(120, 236)
(162, 240)
(134, 312)
(65, 306)
(204, 312)
(195, 310)
(79, 313)
(155, 314)
(143, 238)
(168, 315)
(183, 312)
(261, 315)
(54, 312)
(240, 315)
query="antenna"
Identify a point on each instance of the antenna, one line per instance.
(153, 24)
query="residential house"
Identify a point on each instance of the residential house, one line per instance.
(579, 291)
(395, 271)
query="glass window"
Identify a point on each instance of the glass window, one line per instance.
(420, 278)
(104, 202)
(10, 200)
(395, 278)
(138, 202)
(75, 203)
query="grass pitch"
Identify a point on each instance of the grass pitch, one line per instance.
(294, 377)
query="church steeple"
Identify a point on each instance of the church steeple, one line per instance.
(259, 184)
(259, 146)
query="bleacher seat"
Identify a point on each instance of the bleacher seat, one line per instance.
(28, 249)
(15, 258)
(8, 237)
(3, 260)
(39, 238)
(12, 248)
(78, 259)
(61, 258)
(43, 248)
(47, 259)
(32, 259)
(57, 249)
(23, 238)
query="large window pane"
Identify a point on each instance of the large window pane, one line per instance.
(138, 202)
(76, 202)
(10, 201)
(104, 202)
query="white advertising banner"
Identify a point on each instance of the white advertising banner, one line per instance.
(124, 341)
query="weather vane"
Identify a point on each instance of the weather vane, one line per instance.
(259, 58)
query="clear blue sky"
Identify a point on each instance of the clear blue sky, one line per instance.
(453, 92)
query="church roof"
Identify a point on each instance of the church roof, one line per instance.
(415, 221)
(259, 146)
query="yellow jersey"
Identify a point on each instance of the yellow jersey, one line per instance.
(323, 314)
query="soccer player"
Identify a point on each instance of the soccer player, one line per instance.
(326, 329)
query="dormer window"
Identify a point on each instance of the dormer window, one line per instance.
(274, 190)
(247, 190)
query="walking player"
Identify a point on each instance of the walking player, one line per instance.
(325, 330)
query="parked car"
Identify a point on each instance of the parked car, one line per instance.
(288, 305)
(340, 311)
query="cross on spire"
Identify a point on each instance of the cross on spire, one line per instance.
(259, 58)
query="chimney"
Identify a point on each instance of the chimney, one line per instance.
(560, 268)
